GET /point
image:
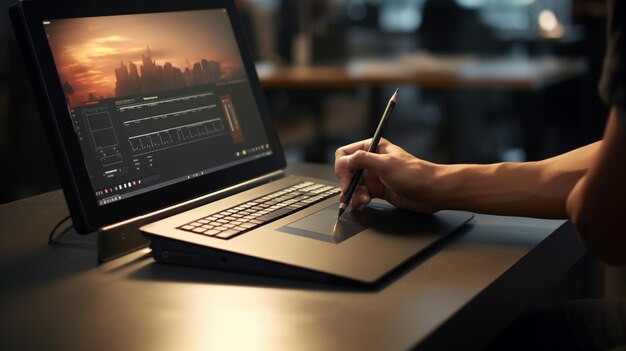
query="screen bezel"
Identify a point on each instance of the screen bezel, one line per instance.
(81, 196)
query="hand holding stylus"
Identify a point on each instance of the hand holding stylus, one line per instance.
(373, 146)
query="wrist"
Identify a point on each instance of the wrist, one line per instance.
(437, 185)
(456, 187)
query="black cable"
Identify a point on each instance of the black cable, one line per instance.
(53, 231)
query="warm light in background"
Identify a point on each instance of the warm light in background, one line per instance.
(547, 20)
(549, 25)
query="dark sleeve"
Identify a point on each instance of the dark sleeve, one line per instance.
(612, 86)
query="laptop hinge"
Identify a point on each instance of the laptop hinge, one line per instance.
(124, 237)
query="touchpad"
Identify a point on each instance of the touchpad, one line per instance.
(323, 225)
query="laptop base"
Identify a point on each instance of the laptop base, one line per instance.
(176, 252)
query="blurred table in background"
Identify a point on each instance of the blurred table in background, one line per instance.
(531, 79)
(429, 72)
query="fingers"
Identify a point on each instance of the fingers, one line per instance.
(352, 157)
(360, 197)
(370, 185)
(359, 145)
(352, 148)
(341, 171)
(363, 145)
(346, 165)
(361, 160)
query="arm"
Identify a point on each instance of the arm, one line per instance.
(597, 204)
(538, 189)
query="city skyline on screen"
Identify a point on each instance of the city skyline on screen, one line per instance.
(115, 56)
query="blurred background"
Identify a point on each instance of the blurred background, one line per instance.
(480, 80)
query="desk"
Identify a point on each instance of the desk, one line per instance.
(458, 295)
(530, 79)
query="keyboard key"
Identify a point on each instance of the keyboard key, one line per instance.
(275, 215)
(248, 225)
(228, 234)
(211, 232)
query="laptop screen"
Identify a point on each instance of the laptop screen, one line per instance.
(155, 99)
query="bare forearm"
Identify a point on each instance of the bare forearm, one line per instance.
(537, 189)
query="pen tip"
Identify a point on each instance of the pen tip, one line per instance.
(394, 97)
(341, 210)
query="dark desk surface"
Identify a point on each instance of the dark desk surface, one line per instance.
(458, 295)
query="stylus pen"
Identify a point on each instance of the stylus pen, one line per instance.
(373, 146)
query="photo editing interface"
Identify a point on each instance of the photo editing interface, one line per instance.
(156, 99)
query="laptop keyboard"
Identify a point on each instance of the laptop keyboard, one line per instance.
(237, 220)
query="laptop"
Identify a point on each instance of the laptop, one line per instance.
(154, 111)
